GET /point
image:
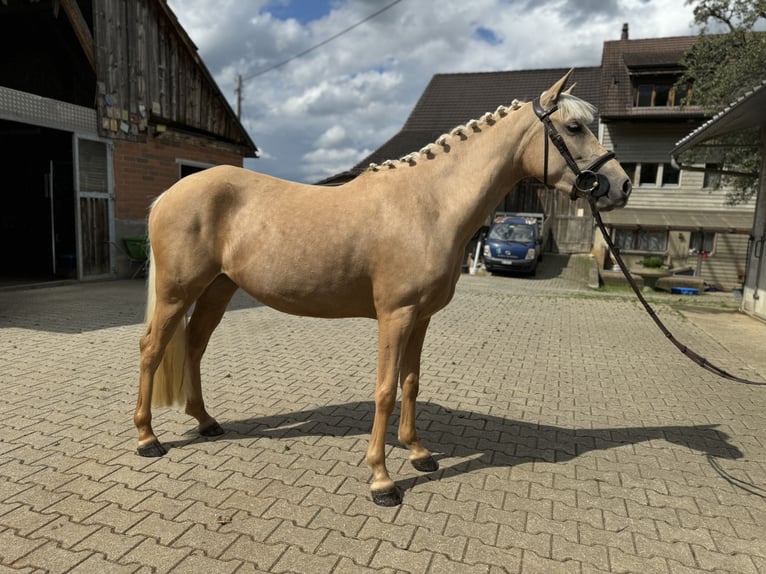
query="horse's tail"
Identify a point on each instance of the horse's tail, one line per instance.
(171, 379)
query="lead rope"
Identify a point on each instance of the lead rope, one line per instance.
(700, 360)
(748, 487)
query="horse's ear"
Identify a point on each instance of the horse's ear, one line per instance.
(570, 88)
(551, 95)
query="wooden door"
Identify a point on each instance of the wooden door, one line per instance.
(95, 207)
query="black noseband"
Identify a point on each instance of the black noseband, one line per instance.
(587, 181)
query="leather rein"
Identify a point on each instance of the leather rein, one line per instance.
(592, 185)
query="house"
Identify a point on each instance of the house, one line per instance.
(103, 105)
(748, 112)
(680, 215)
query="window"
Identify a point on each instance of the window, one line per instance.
(658, 91)
(702, 242)
(188, 167)
(643, 97)
(647, 173)
(670, 175)
(630, 170)
(663, 95)
(712, 178)
(641, 240)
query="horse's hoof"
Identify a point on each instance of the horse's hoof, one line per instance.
(427, 464)
(389, 497)
(153, 450)
(213, 430)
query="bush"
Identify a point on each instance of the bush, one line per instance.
(653, 262)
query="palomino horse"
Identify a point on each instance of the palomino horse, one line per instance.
(389, 245)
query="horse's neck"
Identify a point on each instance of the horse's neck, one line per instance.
(477, 173)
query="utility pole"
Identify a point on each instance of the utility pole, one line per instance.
(238, 92)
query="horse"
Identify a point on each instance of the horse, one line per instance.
(388, 245)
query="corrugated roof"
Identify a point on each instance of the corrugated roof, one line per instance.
(749, 111)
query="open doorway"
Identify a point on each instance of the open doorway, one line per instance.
(37, 222)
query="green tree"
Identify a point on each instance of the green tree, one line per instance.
(727, 61)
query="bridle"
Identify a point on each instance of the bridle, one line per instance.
(588, 182)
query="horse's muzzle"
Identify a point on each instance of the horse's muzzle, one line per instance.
(613, 198)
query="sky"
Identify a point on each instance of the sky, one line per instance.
(323, 112)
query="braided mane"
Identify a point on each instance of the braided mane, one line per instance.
(571, 108)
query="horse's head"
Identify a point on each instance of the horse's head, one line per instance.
(567, 154)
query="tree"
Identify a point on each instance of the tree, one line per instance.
(727, 61)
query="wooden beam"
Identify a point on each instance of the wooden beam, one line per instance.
(81, 30)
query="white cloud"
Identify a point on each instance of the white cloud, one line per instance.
(323, 112)
(335, 135)
(324, 162)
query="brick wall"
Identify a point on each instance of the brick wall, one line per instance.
(142, 171)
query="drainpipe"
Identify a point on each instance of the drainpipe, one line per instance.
(758, 242)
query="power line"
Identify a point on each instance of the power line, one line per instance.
(322, 43)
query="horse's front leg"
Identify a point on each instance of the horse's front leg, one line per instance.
(393, 333)
(420, 457)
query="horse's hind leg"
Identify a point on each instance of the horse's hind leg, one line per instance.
(162, 326)
(420, 457)
(208, 311)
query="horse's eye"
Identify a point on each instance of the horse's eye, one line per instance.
(574, 127)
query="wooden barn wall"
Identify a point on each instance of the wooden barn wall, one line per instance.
(571, 221)
(147, 75)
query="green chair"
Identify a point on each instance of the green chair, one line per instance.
(137, 250)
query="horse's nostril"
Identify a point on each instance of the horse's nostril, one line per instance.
(627, 187)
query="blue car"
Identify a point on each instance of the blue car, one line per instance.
(513, 244)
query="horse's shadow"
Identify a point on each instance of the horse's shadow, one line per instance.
(484, 440)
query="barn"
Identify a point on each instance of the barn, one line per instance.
(103, 105)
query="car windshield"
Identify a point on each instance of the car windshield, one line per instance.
(512, 232)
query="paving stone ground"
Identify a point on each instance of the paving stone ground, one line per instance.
(572, 437)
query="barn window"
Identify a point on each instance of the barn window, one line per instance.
(187, 167)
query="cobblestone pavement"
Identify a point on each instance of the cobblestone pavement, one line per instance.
(572, 437)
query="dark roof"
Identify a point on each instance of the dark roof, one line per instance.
(622, 58)
(453, 99)
(657, 59)
(450, 100)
